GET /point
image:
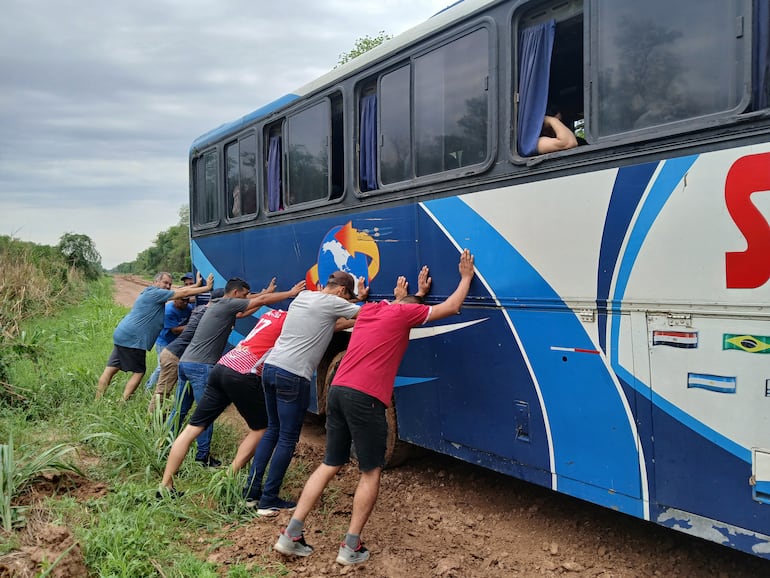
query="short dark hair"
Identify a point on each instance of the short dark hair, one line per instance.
(236, 283)
(413, 299)
(342, 279)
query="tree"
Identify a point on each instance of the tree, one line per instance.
(363, 44)
(80, 252)
(170, 251)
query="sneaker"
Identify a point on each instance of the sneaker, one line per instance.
(290, 546)
(274, 507)
(348, 556)
(252, 503)
(164, 492)
(209, 461)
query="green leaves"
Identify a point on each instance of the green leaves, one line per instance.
(80, 252)
(18, 471)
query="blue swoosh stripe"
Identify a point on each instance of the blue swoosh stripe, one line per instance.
(594, 444)
(671, 174)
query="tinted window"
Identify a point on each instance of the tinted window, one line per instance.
(396, 148)
(308, 148)
(660, 61)
(205, 191)
(450, 105)
(241, 159)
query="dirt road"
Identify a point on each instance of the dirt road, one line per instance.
(440, 517)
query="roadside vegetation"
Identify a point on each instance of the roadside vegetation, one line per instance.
(170, 251)
(91, 466)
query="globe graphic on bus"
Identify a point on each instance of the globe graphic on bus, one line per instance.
(346, 249)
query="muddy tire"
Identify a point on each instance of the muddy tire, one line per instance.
(323, 390)
(396, 451)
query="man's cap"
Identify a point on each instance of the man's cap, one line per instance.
(187, 276)
(217, 293)
(343, 280)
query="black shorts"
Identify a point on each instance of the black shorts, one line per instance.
(128, 359)
(226, 386)
(354, 416)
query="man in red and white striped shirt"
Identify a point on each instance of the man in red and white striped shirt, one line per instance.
(236, 379)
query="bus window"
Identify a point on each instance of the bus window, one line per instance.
(760, 70)
(337, 148)
(436, 123)
(395, 123)
(550, 73)
(308, 154)
(241, 181)
(311, 145)
(205, 189)
(367, 138)
(451, 105)
(659, 62)
(274, 167)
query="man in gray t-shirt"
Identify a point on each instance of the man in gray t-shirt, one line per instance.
(306, 333)
(207, 345)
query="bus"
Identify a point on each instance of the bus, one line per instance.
(615, 343)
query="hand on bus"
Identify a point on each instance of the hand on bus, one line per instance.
(363, 290)
(209, 281)
(270, 287)
(423, 282)
(299, 286)
(466, 264)
(401, 289)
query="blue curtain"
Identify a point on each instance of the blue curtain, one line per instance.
(274, 175)
(367, 160)
(761, 48)
(535, 48)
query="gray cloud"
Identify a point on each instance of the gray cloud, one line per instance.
(100, 101)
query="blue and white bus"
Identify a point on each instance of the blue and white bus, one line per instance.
(615, 344)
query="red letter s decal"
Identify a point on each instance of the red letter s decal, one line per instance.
(751, 268)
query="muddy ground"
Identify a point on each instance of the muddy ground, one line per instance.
(439, 517)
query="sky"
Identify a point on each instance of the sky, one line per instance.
(100, 100)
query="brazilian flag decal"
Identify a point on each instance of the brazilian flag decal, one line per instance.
(747, 343)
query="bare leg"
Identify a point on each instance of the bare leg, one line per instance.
(131, 385)
(363, 501)
(105, 379)
(178, 451)
(313, 489)
(246, 449)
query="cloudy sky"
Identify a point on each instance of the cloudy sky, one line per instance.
(100, 100)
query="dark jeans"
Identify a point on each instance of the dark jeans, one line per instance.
(197, 374)
(287, 397)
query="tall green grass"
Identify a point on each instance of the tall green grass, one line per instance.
(55, 337)
(19, 468)
(127, 532)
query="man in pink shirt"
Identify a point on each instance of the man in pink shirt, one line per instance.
(361, 392)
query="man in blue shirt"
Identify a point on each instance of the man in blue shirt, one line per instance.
(136, 333)
(174, 320)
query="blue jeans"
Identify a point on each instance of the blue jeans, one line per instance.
(287, 397)
(197, 374)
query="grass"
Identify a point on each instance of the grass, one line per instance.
(19, 469)
(125, 531)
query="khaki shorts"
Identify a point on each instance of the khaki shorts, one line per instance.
(167, 380)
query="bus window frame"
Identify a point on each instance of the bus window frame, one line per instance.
(633, 137)
(257, 175)
(283, 120)
(407, 58)
(207, 226)
(676, 127)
